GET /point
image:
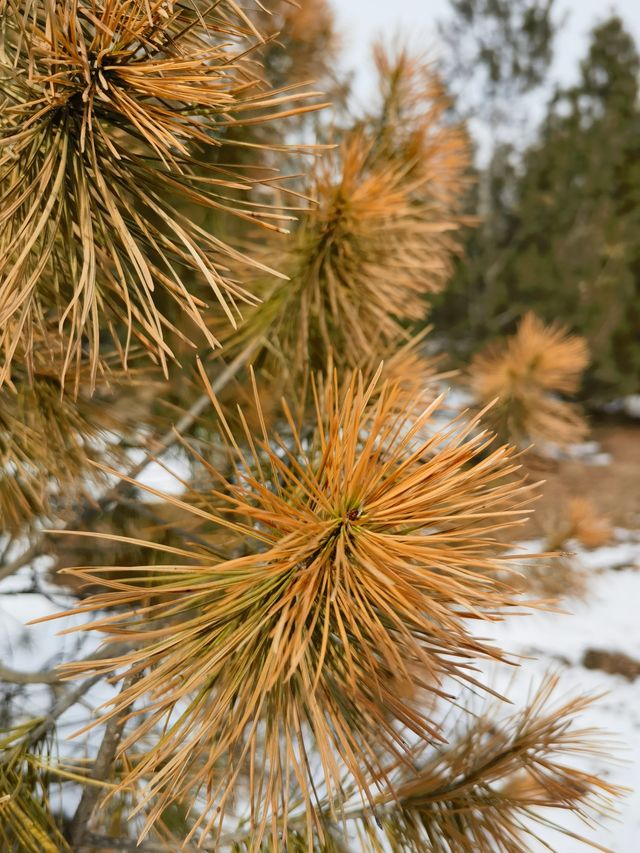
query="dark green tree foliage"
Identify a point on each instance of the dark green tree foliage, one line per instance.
(563, 229)
(501, 47)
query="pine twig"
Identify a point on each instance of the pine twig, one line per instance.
(69, 698)
(90, 511)
(100, 771)
(15, 676)
(53, 677)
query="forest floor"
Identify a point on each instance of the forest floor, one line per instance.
(612, 484)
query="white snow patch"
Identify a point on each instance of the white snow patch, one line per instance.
(607, 619)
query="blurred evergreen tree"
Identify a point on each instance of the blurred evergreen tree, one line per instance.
(496, 51)
(561, 234)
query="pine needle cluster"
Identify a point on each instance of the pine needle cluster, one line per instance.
(109, 111)
(531, 374)
(380, 239)
(370, 555)
(489, 790)
(580, 522)
(585, 524)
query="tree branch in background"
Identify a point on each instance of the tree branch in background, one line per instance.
(100, 771)
(86, 514)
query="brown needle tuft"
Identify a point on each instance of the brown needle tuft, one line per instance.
(110, 111)
(530, 374)
(368, 553)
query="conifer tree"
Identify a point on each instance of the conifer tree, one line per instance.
(578, 260)
(560, 227)
(275, 647)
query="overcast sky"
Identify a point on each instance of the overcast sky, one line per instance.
(361, 21)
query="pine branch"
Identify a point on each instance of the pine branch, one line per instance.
(101, 770)
(89, 512)
(17, 677)
(68, 699)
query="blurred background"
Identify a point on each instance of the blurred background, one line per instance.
(361, 21)
(548, 93)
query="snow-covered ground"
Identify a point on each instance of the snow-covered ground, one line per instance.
(606, 619)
